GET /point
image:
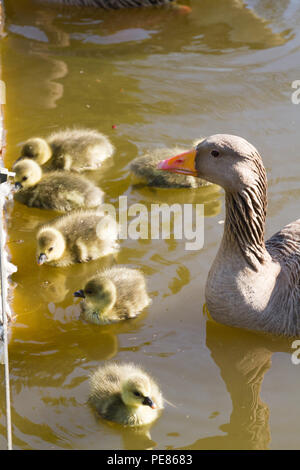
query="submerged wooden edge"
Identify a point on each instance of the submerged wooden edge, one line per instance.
(2, 140)
(9, 267)
(1, 17)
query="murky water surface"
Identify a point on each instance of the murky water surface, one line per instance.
(163, 78)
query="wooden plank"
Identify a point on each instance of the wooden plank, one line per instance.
(2, 90)
(1, 18)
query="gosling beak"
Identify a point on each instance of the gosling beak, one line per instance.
(147, 401)
(42, 259)
(18, 186)
(183, 163)
(79, 293)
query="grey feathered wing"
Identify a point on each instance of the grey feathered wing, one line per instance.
(284, 247)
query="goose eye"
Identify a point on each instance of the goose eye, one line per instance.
(137, 394)
(24, 178)
(215, 153)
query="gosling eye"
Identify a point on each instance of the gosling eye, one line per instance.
(215, 153)
(89, 291)
(25, 178)
(137, 394)
(51, 248)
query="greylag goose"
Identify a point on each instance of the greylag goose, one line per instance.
(113, 295)
(56, 190)
(126, 394)
(251, 284)
(110, 4)
(77, 237)
(69, 149)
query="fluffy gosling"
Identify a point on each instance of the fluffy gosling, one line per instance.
(115, 294)
(70, 149)
(144, 170)
(56, 190)
(126, 394)
(77, 237)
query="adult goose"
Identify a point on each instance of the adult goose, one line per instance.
(111, 4)
(251, 284)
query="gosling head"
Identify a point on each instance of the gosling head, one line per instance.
(37, 149)
(136, 391)
(227, 160)
(50, 245)
(100, 296)
(28, 173)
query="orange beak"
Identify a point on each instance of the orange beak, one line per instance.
(183, 164)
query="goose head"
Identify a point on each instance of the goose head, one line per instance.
(27, 173)
(100, 296)
(37, 149)
(227, 160)
(50, 245)
(136, 391)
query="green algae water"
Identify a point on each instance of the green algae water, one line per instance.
(151, 78)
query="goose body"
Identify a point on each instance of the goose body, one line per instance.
(76, 238)
(57, 190)
(252, 284)
(69, 149)
(125, 394)
(144, 170)
(116, 294)
(110, 4)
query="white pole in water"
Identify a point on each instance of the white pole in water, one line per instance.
(3, 178)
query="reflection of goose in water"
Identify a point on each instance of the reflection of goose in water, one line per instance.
(237, 23)
(135, 439)
(39, 29)
(243, 358)
(54, 286)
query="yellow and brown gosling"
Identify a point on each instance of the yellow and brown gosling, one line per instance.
(69, 149)
(77, 237)
(56, 190)
(116, 294)
(125, 394)
(144, 171)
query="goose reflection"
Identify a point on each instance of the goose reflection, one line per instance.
(138, 438)
(234, 20)
(243, 359)
(39, 28)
